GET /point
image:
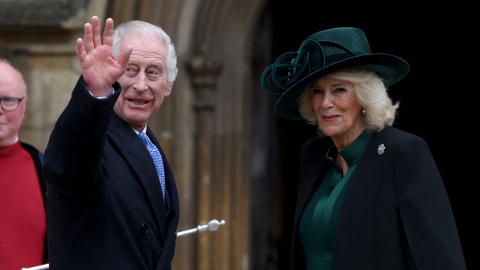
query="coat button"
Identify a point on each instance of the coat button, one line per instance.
(144, 228)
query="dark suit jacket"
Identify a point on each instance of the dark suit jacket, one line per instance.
(105, 208)
(401, 188)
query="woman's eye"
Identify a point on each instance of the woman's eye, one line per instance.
(316, 91)
(339, 90)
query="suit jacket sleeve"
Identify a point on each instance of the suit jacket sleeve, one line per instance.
(91, 121)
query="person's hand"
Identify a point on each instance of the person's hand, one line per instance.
(100, 69)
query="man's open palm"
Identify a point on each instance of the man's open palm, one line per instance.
(100, 69)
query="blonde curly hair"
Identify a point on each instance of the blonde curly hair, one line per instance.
(371, 93)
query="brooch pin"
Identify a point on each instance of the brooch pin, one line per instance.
(381, 149)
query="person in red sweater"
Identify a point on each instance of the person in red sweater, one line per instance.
(22, 188)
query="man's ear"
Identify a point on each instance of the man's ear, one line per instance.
(168, 90)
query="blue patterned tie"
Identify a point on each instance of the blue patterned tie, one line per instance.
(157, 159)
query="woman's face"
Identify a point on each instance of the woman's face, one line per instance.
(338, 111)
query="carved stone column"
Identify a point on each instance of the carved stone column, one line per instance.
(204, 73)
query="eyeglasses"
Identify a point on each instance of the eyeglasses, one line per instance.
(10, 103)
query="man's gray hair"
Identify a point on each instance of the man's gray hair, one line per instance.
(136, 28)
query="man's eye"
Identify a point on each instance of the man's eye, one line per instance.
(131, 71)
(153, 73)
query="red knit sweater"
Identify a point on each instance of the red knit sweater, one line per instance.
(22, 212)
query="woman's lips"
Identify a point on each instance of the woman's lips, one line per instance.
(330, 117)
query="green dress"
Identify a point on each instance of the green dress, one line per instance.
(319, 219)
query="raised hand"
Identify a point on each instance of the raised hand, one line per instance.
(100, 69)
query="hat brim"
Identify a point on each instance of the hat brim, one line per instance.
(389, 67)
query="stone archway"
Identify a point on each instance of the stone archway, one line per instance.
(205, 125)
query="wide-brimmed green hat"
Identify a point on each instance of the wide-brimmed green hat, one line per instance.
(320, 54)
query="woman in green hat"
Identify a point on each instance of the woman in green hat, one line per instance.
(370, 196)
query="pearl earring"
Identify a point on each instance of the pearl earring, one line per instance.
(364, 109)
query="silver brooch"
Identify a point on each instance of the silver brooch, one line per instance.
(381, 149)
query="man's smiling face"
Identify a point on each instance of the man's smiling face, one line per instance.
(144, 84)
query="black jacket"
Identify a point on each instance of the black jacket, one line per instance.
(105, 208)
(395, 204)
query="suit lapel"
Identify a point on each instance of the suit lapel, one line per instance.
(136, 154)
(172, 218)
(313, 158)
(356, 225)
(169, 179)
(365, 178)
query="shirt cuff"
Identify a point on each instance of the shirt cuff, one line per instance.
(112, 90)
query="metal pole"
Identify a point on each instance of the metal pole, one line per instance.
(212, 226)
(40, 267)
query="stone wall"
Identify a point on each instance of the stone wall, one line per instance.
(38, 38)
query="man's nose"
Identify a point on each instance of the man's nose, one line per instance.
(141, 82)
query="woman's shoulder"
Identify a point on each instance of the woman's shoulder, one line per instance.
(400, 140)
(398, 135)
